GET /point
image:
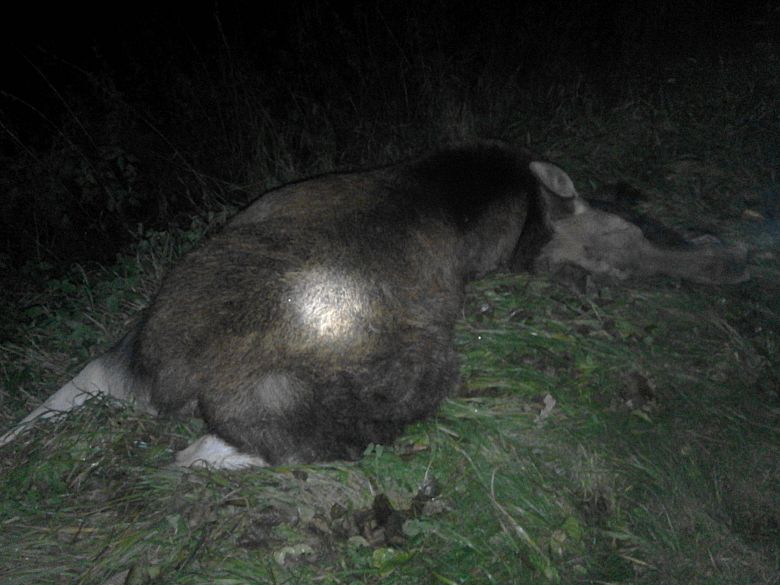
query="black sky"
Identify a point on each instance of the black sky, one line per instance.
(71, 70)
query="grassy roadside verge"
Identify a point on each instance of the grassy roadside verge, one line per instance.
(627, 437)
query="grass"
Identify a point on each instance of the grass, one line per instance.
(629, 436)
(657, 463)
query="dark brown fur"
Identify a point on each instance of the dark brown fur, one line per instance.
(382, 256)
(321, 318)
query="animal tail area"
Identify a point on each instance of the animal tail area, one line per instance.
(109, 375)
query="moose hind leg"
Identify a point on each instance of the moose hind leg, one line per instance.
(211, 451)
(107, 375)
(272, 417)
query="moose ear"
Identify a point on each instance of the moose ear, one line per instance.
(556, 182)
(554, 178)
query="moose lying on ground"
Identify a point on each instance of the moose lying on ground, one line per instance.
(320, 319)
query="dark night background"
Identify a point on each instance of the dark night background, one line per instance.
(626, 435)
(116, 116)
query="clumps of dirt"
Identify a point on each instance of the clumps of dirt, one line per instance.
(305, 536)
(381, 525)
(636, 394)
(596, 507)
(259, 532)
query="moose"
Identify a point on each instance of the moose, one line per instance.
(320, 319)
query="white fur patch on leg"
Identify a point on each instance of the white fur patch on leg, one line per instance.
(211, 451)
(93, 380)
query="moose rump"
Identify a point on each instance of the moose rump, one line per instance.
(321, 319)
